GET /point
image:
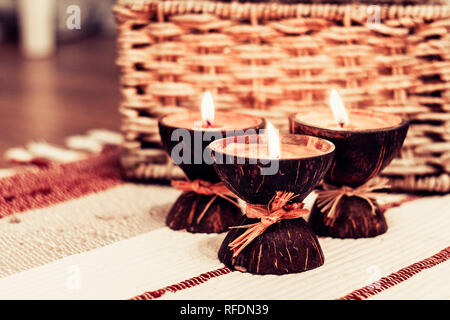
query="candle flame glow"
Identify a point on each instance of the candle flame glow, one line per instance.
(207, 109)
(337, 106)
(273, 141)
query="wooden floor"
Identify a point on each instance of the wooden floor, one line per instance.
(72, 92)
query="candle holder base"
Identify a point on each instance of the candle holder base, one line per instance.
(188, 213)
(354, 220)
(289, 246)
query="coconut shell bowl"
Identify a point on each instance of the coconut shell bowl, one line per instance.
(360, 156)
(200, 212)
(289, 245)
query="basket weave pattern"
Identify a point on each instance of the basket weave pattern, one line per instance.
(273, 60)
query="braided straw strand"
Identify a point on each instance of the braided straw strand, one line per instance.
(329, 198)
(274, 212)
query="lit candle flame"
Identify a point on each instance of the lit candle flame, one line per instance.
(207, 109)
(337, 106)
(273, 141)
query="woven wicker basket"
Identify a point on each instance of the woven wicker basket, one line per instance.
(274, 59)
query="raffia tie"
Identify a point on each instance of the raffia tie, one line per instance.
(277, 209)
(328, 199)
(205, 188)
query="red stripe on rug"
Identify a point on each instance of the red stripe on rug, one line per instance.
(40, 188)
(398, 277)
(186, 284)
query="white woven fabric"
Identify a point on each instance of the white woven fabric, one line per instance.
(433, 283)
(37, 237)
(417, 230)
(157, 256)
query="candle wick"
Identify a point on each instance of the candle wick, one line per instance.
(207, 124)
(341, 124)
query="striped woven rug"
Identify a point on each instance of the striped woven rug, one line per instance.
(78, 231)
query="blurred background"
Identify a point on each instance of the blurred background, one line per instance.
(57, 70)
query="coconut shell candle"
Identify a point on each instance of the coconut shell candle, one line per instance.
(206, 205)
(273, 237)
(366, 142)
